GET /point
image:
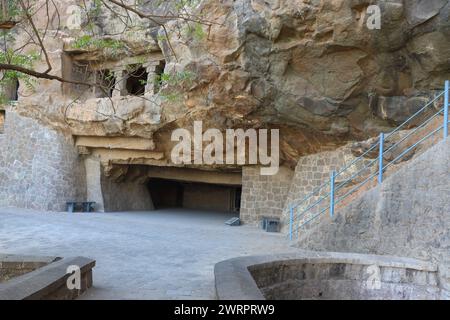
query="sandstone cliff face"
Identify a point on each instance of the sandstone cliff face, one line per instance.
(309, 67)
(314, 66)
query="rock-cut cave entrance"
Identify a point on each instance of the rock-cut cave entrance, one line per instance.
(148, 188)
(168, 193)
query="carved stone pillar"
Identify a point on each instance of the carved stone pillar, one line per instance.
(120, 85)
(93, 182)
(151, 68)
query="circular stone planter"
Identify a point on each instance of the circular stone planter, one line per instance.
(325, 275)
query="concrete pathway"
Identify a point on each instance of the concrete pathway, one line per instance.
(165, 254)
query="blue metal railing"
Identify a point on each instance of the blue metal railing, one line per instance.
(313, 205)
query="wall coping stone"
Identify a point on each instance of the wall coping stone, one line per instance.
(27, 259)
(233, 280)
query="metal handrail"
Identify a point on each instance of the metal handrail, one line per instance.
(412, 147)
(310, 195)
(357, 159)
(414, 115)
(316, 190)
(313, 218)
(423, 125)
(356, 174)
(333, 188)
(313, 205)
(357, 187)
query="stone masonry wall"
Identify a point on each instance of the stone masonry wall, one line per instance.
(312, 172)
(39, 167)
(263, 196)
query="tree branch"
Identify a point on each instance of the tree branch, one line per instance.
(36, 32)
(40, 75)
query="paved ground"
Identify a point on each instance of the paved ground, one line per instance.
(166, 254)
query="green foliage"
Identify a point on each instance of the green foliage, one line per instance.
(171, 96)
(161, 37)
(176, 79)
(195, 30)
(93, 43)
(23, 60)
(184, 4)
(92, 9)
(95, 10)
(174, 84)
(109, 76)
(13, 10)
(131, 68)
(10, 76)
(178, 5)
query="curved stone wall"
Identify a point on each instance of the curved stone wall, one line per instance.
(325, 275)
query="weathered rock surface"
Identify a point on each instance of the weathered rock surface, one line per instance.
(311, 68)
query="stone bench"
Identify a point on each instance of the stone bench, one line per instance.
(47, 281)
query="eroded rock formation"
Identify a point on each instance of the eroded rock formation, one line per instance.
(311, 68)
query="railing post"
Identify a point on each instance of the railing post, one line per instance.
(380, 159)
(291, 221)
(332, 183)
(446, 94)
